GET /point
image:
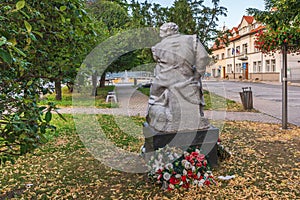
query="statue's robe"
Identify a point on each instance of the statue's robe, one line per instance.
(176, 100)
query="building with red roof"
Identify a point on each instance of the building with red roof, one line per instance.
(241, 60)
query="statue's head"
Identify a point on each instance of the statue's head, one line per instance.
(168, 29)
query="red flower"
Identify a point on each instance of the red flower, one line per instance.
(188, 158)
(192, 162)
(190, 174)
(195, 177)
(194, 154)
(199, 164)
(207, 182)
(186, 185)
(183, 178)
(174, 181)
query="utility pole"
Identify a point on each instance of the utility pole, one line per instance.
(284, 87)
(233, 60)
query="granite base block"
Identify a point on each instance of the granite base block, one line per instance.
(206, 139)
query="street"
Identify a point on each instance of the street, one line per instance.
(267, 98)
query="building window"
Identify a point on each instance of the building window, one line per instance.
(238, 50)
(267, 65)
(254, 66)
(238, 68)
(229, 52)
(259, 66)
(223, 56)
(273, 65)
(255, 48)
(217, 57)
(245, 48)
(229, 68)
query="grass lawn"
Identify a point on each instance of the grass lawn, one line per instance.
(265, 162)
(212, 101)
(86, 101)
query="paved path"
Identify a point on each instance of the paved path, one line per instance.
(133, 103)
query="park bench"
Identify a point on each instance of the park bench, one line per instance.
(111, 95)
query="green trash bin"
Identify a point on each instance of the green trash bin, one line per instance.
(246, 98)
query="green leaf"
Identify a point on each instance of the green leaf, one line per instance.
(28, 26)
(2, 41)
(20, 5)
(63, 8)
(48, 116)
(19, 51)
(42, 108)
(32, 36)
(5, 56)
(63, 19)
(38, 33)
(43, 128)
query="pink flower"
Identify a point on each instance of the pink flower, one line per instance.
(201, 158)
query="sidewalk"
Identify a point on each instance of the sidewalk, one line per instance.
(134, 103)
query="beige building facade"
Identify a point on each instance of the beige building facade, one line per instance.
(241, 60)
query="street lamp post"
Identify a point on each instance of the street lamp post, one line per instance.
(284, 86)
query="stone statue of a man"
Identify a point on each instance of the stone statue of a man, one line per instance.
(176, 99)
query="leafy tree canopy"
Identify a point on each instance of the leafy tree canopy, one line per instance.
(282, 20)
(39, 40)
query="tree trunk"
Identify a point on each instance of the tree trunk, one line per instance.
(58, 92)
(94, 82)
(102, 80)
(70, 86)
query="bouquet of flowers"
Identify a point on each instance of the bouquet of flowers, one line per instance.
(174, 168)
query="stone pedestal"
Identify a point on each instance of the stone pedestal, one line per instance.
(205, 139)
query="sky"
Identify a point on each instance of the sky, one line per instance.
(235, 9)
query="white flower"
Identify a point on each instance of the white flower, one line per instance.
(176, 155)
(184, 172)
(167, 176)
(198, 174)
(195, 182)
(193, 168)
(183, 162)
(187, 165)
(181, 183)
(169, 166)
(160, 156)
(158, 165)
(197, 151)
(171, 157)
(186, 153)
(201, 181)
(171, 186)
(178, 176)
